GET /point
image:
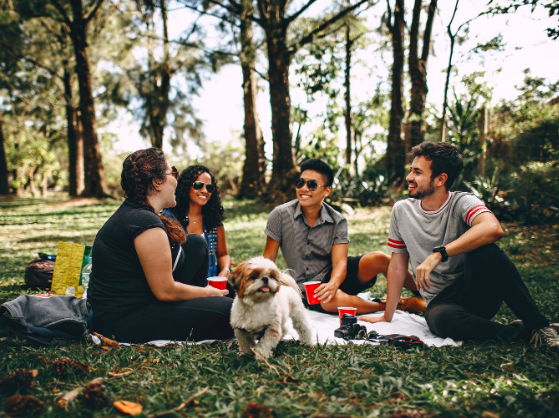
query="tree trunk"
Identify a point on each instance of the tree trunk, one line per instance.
(482, 124)
(347, 97)
(395, 152)
(75, 141)
(94, 185)
(255, 162)
(4, 175)
(418, 72)
(284, 172)
(452, 36)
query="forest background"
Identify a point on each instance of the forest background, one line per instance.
(344, 81)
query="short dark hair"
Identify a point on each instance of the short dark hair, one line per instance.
(320, 167)
(444, 157)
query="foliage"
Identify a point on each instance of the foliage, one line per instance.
(478, 379)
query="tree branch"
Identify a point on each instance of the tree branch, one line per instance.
(203, 12)
(62, 12)
(94, 10)
(300, 12)
(308, 38)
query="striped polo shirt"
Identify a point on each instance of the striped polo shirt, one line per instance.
(307, 251)
(416, 231)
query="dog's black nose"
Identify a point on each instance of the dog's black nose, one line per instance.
(265, 280)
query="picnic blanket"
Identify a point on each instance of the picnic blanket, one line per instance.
(325, 324)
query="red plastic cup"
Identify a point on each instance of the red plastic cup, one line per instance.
(348, 310)
(218, 282)
(310, 287)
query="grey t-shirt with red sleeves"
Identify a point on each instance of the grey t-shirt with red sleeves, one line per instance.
(416, 231)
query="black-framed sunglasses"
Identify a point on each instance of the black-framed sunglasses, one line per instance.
(199, 185)
(311, 184)
(174, 172)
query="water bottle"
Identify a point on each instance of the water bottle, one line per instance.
(85, 277)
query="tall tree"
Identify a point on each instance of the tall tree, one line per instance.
(395, 150)
(4, 184)
(255, 162)
(418, 71)
(77, 19)
(274, 19)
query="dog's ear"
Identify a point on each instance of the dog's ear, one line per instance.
(235, 277)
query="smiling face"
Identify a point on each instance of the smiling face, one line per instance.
(308, 198)
(201, 197)
(421, 184)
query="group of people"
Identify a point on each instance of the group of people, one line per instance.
(153, 256)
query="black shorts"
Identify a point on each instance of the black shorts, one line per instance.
(351, 284)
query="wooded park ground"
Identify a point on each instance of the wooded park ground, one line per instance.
(475, 380)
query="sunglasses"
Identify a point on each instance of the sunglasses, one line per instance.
(311, 184)
(174, 172)
(199, 185)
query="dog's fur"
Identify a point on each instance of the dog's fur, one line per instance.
(265, 299)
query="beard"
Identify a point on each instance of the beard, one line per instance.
(420, 193)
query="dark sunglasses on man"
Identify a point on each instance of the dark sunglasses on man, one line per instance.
(199, 185)
(312, 185)
(174, 172)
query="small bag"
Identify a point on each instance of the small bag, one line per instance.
(38, 273)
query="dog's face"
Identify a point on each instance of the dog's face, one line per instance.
(257, 279)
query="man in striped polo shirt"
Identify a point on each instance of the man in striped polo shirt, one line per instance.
(314, 242)
(463, 276)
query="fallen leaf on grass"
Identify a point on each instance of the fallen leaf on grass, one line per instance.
(127, 407)
(106, 342)
(19, 379)
(68, 397)
(18, 405)
(125, 372)
(94, 393)
(255, 410)
(487, 414)
(192, 400)
(64, 365)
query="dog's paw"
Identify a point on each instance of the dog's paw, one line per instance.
(263, 353)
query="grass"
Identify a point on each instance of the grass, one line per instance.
(320, 381)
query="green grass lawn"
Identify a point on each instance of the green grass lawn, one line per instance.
(476, 380)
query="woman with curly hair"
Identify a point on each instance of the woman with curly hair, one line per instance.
(200, 212)
(149, 279)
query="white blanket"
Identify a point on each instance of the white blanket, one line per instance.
(402, 323)
(325, 324)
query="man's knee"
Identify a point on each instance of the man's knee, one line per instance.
(490, 252)
(372, 264)
(443, 320)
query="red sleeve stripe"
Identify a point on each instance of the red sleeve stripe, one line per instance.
(474, 211)
(399, 245)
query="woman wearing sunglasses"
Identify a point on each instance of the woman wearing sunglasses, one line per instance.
(200, 211)
(149, 279)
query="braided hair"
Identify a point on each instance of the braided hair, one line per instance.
(212, 212)
(138, 172)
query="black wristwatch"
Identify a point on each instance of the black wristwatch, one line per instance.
(441, 249)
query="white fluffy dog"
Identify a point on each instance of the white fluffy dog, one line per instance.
(265, 299)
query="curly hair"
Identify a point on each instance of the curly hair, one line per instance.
(212, 212)
(139, 170)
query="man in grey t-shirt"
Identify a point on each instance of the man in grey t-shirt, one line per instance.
(314, 242)
(463, 276)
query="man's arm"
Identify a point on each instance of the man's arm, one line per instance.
(396, 275)
(485, 230)
(271, 250)
(326, 291)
